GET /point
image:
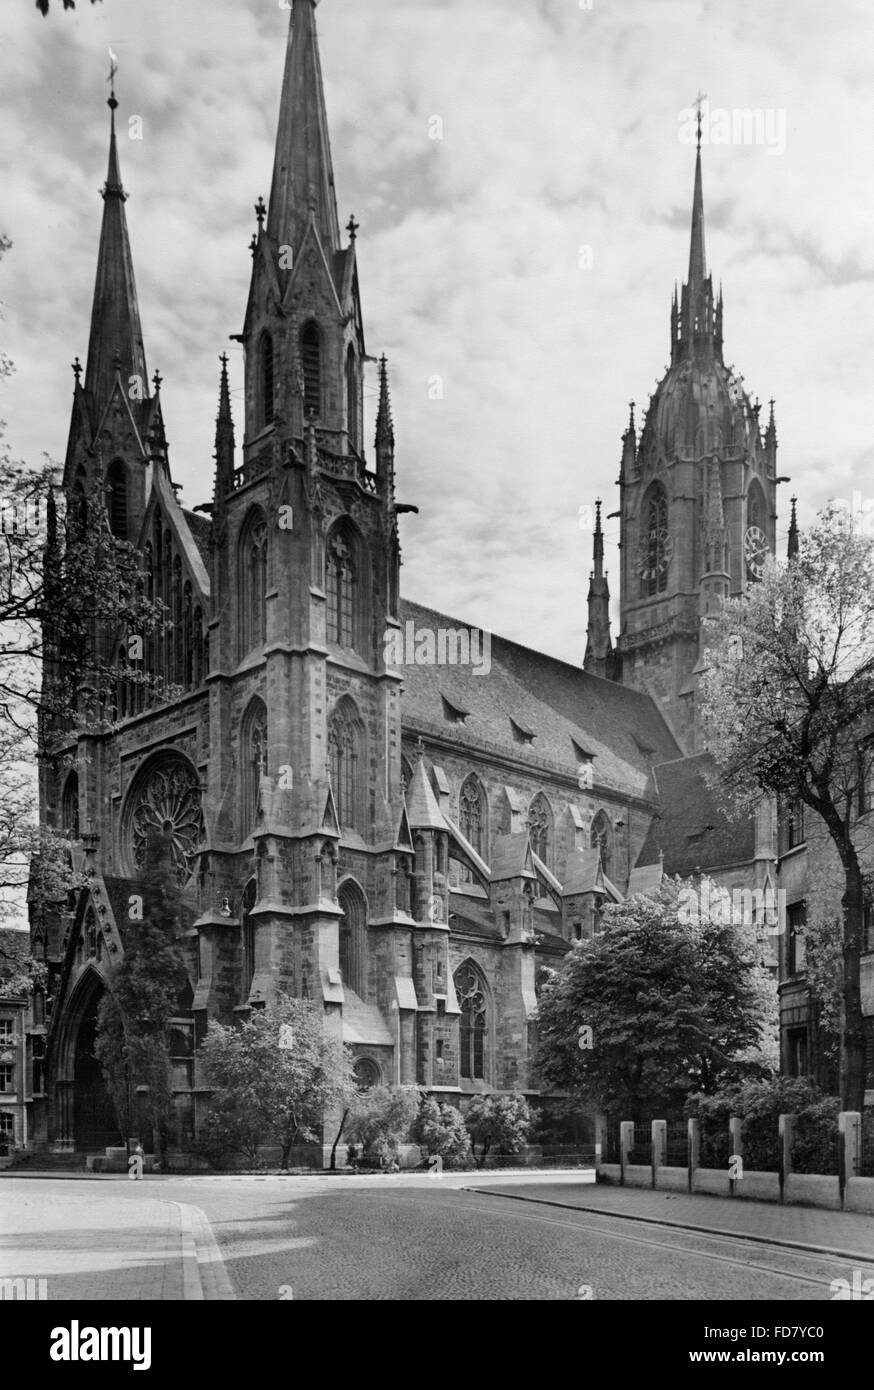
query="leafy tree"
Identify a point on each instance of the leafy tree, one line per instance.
(671, 1006)
(133, 1018)
(276, 1075)
(379, 1120)
(502, 1123)
(20, 974)
(787, 708)
(440, 1129)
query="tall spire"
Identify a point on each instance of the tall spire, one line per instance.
(696, 323)
(303, 176)
(697, 262)
(599, 658)
(116, 336)
(792, 548)
(224, 440)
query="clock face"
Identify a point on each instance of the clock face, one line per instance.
(654, 553)
(755, 550)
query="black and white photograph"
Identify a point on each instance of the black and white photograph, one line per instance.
(437, 666)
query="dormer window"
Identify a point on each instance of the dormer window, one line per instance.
(521, 734)
(453, 714)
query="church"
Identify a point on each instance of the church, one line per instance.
(407, 840)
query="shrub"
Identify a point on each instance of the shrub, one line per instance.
(440, 1129)
(379, 1120)
(502, 1123)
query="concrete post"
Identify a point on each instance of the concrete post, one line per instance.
(694, 1149)
(626, 1144)
(850, 1148)
(787, 1141)
(659, 1146)
(735, 1151)
(600, 1139)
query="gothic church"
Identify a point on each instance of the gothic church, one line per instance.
(408, 846)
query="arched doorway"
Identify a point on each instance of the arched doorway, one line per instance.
(94, 1122)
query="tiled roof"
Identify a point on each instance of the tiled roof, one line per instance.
(692, 829)
(200, 527)
(560, 704)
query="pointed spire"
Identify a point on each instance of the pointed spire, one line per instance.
(303, 176)
(696, 324)
(116, 339)
(792, 548)
(598, 659)
(598, 547)
(385, 433)
(697, 263)
(224, 439)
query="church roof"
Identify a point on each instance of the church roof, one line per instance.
(692, 830)
(559, 704)
(200, 527)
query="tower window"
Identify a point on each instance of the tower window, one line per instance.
(352, 398)
(311, 366)
(602, 839)
(540, 828)
(345, 742)
(471, 995)
(116, 500)
(267, 379)
(342, 586)
(655, 549)
(250, 893)
(253, 583)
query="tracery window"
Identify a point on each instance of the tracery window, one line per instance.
(470, 991)
(311, 366)
(250, 893)
(253, 582)
(267, 382)
(165, 805)
(540, 828)
(352, 398)
(366, 1074)
(116, 499)
(70, 807)
(654, 556)
(345, 745)
(253, 742)
(472, 813)
(352, 928)
(341, 583)
(602, 839)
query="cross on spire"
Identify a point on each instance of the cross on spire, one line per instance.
(77, 369)
(260, 211)
(699, 102)
(113, 69)
(156, 381)
(352, 227)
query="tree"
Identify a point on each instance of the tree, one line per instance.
(502, 1123)
(20, 974)
(276, 1075)
(787, 705)
(440, 1129)
(133, 1019)
(379, 1120)
(650, 1008)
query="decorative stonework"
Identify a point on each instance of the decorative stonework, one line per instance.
(167, 802)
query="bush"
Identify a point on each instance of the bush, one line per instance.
(379, 1120)
(502, 1123)
(759, 1104)
(440, 1129)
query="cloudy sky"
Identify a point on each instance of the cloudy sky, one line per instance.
(561, 130)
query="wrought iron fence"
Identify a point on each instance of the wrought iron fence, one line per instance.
(816, 1147)
(677, 1152)
(866, 1158)
(714, 1148)
(641, 1150)
(761, 1144)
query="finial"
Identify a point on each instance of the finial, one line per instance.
(260, 212)
(631, 415)
(352, 227)
(420, 748)
(699, 102)
(253, 245)
(156, 381)
(224, 361)
(597, 514)
(77, 369)
(113, 69)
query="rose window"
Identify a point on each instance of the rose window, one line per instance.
(167, 804)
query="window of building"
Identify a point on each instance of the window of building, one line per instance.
(70, 807)
(366, 1074)
(796, 1052)
(345, 744)
(472, 817)
(796, 917)
(353, 945)
(250, 893)
(7, 1077)
(253, 582)
(342, 584)
(601, 838)
(353, 408)
(254, 761)
(7, 1125)
(540, 826)
(578, 931)
(116, 498)
(311, 366)
(470, 990)
(7, 1031)
(794, 824)
(868, 927)
(866, 778)
(267, 384)
(654, 550)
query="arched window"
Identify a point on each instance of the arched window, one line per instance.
(70, 807)
(343, 585)
(311, 366)
(472, 813)
(654, 552)
(353, 945)
(756, 506)
(116, 498)
(366, 1074)
(540, 825)
(472, 1025)
(353, 407)
(602, 839)
(250, 893)
(254, 761)
(267, 382)
(253, 582)
(346, 746)
(756, 534)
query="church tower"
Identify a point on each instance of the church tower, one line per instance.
(697, 499)
(310, 843)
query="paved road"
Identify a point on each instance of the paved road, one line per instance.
(411, 1238)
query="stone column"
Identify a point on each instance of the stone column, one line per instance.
(787, 1139)
(659, 1146)
(694, 1159)
(735, 1150)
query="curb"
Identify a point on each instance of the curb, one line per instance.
(685, 1226)
(192, 1289)
(203, 1263)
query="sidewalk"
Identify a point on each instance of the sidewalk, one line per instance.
(122, 1246)
(817, 1227)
